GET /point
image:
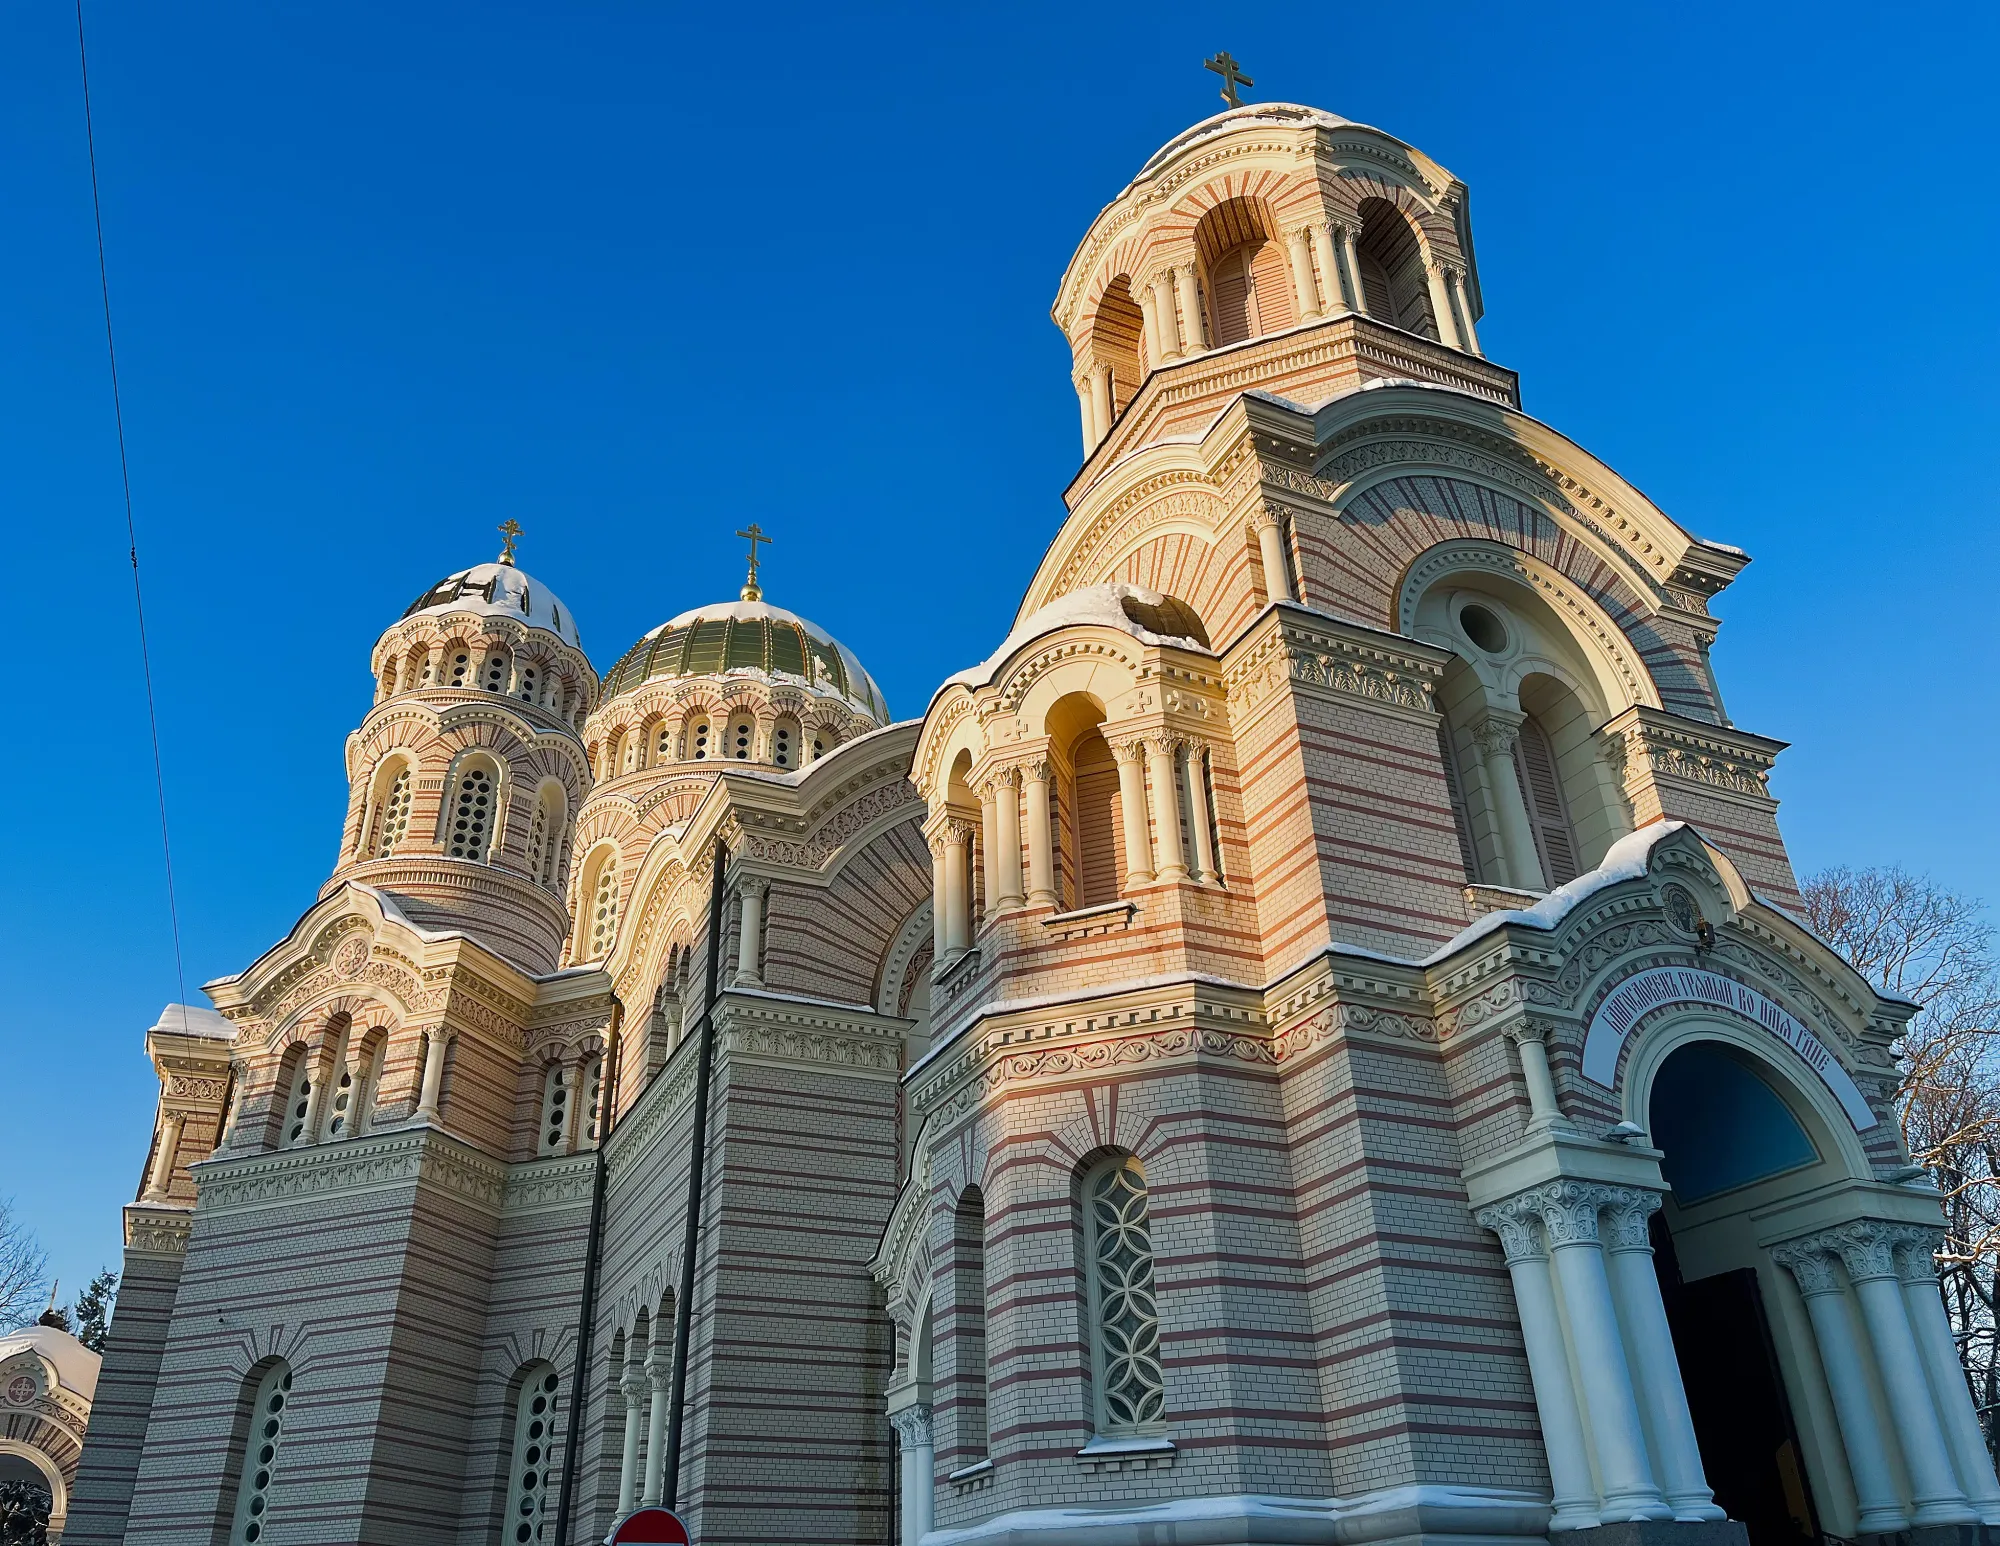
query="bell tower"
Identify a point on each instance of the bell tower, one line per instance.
(1271, 247)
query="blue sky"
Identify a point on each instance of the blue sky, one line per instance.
(634, 275)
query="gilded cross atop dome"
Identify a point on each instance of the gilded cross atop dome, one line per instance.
(1232, 76)
(510, 529)
(752, 591)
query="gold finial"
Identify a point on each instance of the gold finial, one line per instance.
(511, 530)
(1232, 77)
(752, 591)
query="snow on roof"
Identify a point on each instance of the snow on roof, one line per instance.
(1104, 605)
(1289, 114)
(193, 1020)
(500, 590)
(76, 1366)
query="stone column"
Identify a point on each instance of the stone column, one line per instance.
(1149, 317)
(1840, 1358)
(1089, 415)
(1132, 812)
(1162, 288)
(1333, 292)
(633, 1385)
(938, 908)
(1494, 736)
(1868, 1250)
(1194, 331)
(1299, 245)
(659, 1383)
(1569, 1216)
(913, 1441)
(1530, 1041)
(1270, 531)
(1351, 262)
(1204, 870)
(957, 887)
(1006, 880)
(1517, 1223)
(161, 1176)
(436, 1039)
(750, 936)
(1102, 403)
(989, 841)
(1447, 324)
(1455, 280)
(1635, 1286)
(1166, 808)
(1916, 1263)
(1041, 855)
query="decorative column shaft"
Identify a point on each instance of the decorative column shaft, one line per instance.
(1162, 288)
(1271, 548)
(1041, 855)
(1544, 1110)
(1149, 319)
(659, 1383)
(1351, 262)
(1007, 806)
(1132, 813)
(1102, 403)
(1204, 870)
(957, 888)
(1089, 415)
(1916, 1260)
(989, 842)
(1868, 1250)
(1333, 295)
(436, 1039)
(1494, 736)
(162, 1174)
(1853, 1407)
(1194, 332)
(1569, 1215)
(750, 937)
(939, 911)
(1299, 245)
(1517, 1223)
(1447, 324)
(633, 1386)
(913, 1441)
(1455, 280)
(1635, 1286)
(1166, 808)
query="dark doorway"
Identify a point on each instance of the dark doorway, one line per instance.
(1742, 1420)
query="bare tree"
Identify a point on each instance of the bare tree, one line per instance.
(23, 1288)
(1916, 940)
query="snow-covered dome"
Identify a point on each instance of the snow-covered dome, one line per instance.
(500, 590)
(749, 638)
(1289, 115)
(73, 1365)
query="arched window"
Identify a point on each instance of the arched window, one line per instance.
(534, 1449)
(298, 1100)
(1098, 837)
(1116, 336)
(819, 740)
(1124, 1313)
(530, 678)
(1394, 286)
(340, 1119)
(496, 671)
(697, 739)
(1250, 292)
(257, 1466)
(969, 1367)
(473, 815)
(593, 1096)
(388, 683)
(785, 743)
(556, 1094)
(392, 814)
(458, 663)
(601, 910)
(742, 737)
(1542, 793)
(663, 749)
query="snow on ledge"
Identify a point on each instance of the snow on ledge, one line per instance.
(192, 1020)
(1098, 604)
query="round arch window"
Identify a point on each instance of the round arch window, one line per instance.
(1482, 628)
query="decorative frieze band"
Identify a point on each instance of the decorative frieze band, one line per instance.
(1644, 743)
(1327, 658)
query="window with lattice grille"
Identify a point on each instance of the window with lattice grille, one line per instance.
(534, 1449)
(741, 735)
(298, 1102)
(257, 1467)
(393, 820)
(1124, 1310)
(461, 663)
(593, 1094)
(556, 1094)
(496, 673)
(528, 684)
(604, 910)
(470, 834)
(784, 743)
(698, 741)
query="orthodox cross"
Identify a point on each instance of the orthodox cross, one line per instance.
(1232, 77)
(752, 591)
(511, 530)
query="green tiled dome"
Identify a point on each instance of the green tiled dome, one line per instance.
(751, 637)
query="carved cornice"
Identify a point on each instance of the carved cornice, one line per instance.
(157, 1231)
(1643, 743)
(542, 1186)
(1323, 658)
(379, 1163)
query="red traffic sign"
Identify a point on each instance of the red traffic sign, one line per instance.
(649, 1527)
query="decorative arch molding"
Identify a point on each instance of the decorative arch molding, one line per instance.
(51, 1473)
(1587, 619)
(901, 955)
(1175, 499)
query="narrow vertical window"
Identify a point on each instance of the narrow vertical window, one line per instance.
(538, 839)
(663, 749)
(555, 1109)
(604, 909)
(784, 741)
(741, 735)
(534, 1433)
(528, 684)
(393, 820)
(461, 662)
(1124, 1313)
(298, 1102)
(1461, 817)
(496, 672)
(343, 1101)
(697, 745)
(472, 812)
(260, 1457)
(1542, 791)
(593, 1096)
(371, 1080)
(557, 810)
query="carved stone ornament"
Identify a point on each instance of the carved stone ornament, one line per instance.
(1570, 1210)
(1518, 1224)
(912, 1425)
(1866, 1248)
(1627, 1211)
(1810, 1266)
(1917, 1248)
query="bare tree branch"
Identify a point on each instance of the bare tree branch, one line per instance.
(23, 1288)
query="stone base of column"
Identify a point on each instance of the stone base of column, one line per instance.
(1667, 1532)
(1935, 1535)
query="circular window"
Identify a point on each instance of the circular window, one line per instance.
(1483, 628)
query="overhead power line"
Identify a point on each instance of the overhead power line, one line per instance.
(131, 528)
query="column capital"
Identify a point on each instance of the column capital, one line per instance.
(1809, 1264)
(1343, 224)
(993, 781)
(1917, 1248)
(1514, 1222)
(1569, 1210)
(1163, 743)
(1526, 1029)
(633, 1384)
(1496, 732)
(1628, 1210)
(1128, 748)
(1264, 515)
(912, 1424)
(1867, 1248)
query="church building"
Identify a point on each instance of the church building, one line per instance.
(1310, 1039)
